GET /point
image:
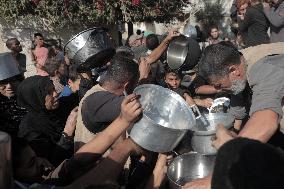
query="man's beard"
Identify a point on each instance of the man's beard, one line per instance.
(238, 86)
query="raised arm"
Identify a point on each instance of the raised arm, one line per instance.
(156, 54)
(130, 110)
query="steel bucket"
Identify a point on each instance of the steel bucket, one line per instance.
(90, 48)
(183, 53)
(166, 118)
(188, 167)
(8, 66)
(205, 130)
(6, 179)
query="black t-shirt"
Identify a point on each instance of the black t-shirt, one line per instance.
(100, 109)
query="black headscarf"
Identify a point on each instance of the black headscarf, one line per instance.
(248, 164)
(39, 123)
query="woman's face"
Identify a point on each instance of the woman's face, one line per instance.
(9, 87)
(214, 33)
(51, 101)
(242, 10)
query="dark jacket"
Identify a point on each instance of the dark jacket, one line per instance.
(254, 26)
(276, 17)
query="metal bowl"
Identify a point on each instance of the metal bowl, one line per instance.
(177, 52)
(205, 130)
(166, 118)
(207, 124)
(183, 53)
(90, 48)
(188, 167)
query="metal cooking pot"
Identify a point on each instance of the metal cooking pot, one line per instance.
(183, 53)
(190, 31)
(188, 167)
(166, 118)
(8, 66)
(6, 179)
(90, 48)
(205, 129)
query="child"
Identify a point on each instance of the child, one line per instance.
(173, 82)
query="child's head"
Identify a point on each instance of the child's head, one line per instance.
(173, 78)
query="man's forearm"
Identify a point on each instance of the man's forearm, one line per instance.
(106, 138)
(261, 126)
(157, 52)
(108, 169)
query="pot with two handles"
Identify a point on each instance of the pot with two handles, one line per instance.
(166, 119)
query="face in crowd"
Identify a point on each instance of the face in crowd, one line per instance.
(243, 8)
(15, 46)
(9, 86)
(39, 41)
(172, 80)
(234, 82)
(214, 33)
(51, 100)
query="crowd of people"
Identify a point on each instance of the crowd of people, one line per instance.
(70, 127)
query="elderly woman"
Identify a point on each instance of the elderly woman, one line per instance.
(41, 127)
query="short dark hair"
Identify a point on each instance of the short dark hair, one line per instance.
(213, 27)
(122, 70)
(178, 73)
(152, 41)
(73, 73)
(51, 66)
(216, 60)
(9, 42)
(38, 35)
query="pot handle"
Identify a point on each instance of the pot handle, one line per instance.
(196, 110)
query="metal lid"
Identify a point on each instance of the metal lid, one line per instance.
(8, 66)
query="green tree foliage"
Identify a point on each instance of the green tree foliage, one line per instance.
(211, 13)
(63, 12)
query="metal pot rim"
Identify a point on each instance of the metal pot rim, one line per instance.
(170, 45)
(177, 97)
(211, 132)
(72, 38)
(179, 157)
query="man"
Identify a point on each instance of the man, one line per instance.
(14, 45)
(39, 53)
(225, 68)
(101, 104)
(10, 113)
(275, 15)
(55, 70)
(254, 25)
(137, 44)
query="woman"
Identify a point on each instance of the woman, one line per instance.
(42, 127)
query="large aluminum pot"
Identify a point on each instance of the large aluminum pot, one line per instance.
(8, 66)
(6, 179)
(183, 53)
(190, 31)
(90, 48)
(166, 118)
(188, 167)
(205, 130)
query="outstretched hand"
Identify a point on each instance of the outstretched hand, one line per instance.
(222, 136)
(130, 108)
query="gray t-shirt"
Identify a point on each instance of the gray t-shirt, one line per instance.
(266, 79)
